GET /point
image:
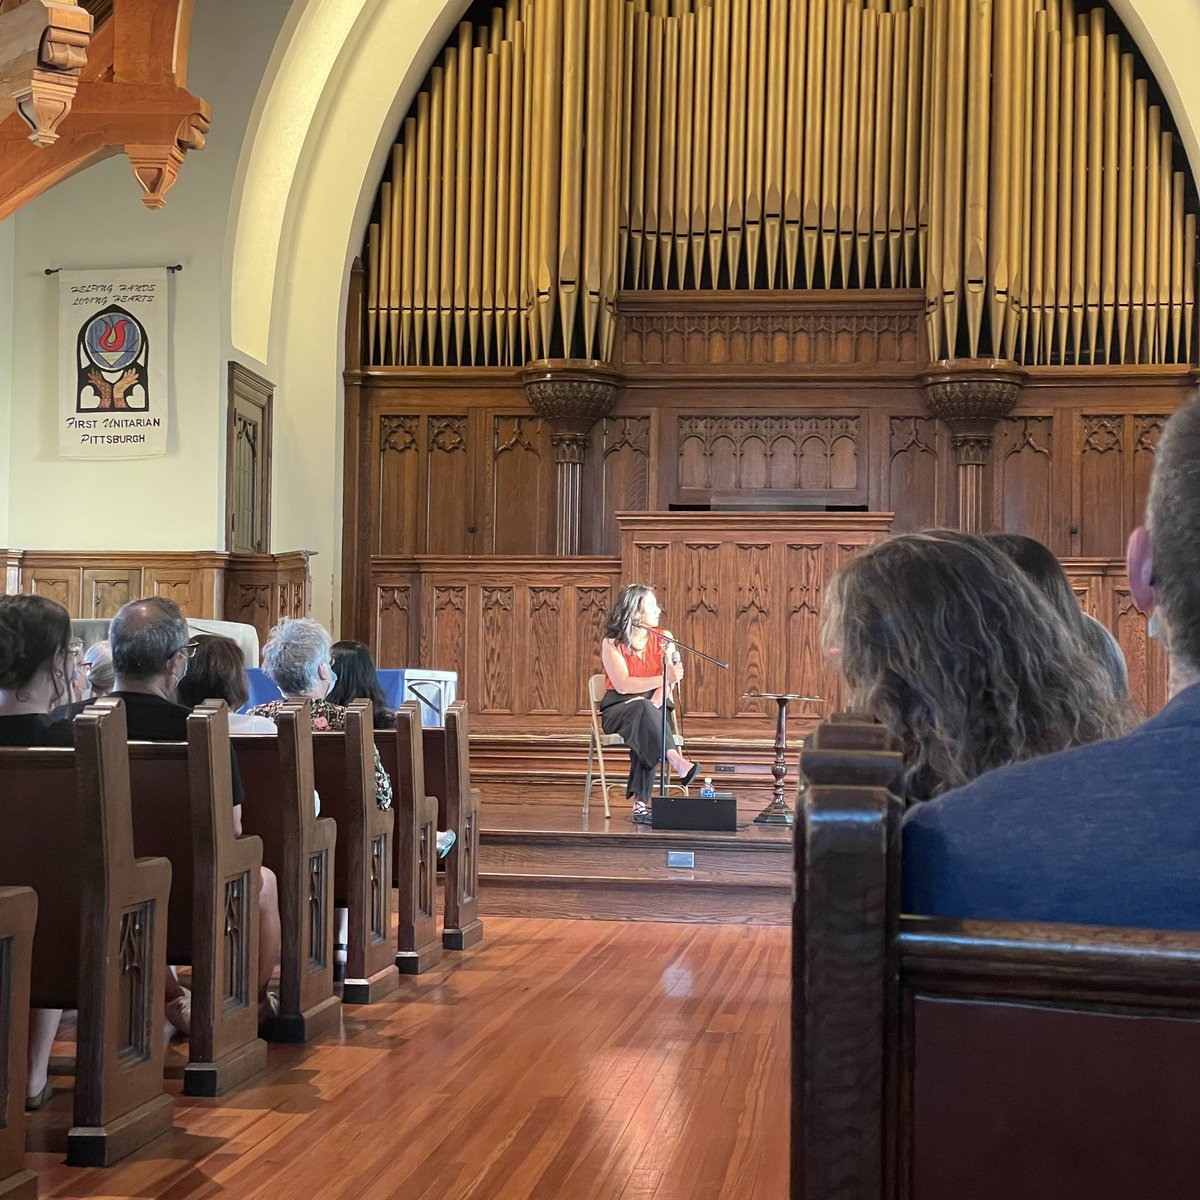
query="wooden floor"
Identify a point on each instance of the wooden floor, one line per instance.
(559, 1060)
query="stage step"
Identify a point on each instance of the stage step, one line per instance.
(618, 871)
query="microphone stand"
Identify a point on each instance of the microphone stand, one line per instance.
(716, 662)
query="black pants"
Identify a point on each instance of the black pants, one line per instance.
(640, 725)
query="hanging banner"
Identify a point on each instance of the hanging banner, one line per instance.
(112, 337)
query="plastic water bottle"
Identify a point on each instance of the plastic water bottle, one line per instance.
(707, 790)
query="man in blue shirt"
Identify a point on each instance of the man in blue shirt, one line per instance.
(1106, 834)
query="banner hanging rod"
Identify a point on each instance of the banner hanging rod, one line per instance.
(171, 270)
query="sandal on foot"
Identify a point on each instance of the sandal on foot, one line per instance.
(33, 1103)
(686, 779)
(641, 815)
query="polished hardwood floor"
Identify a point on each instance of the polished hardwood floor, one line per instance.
(573, 1060)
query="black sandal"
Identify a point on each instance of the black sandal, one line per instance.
(686, 779)
(641, 815)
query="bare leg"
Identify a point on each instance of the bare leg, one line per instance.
(43, 1025)
(682, 765)
(341, 933)
(270, 934)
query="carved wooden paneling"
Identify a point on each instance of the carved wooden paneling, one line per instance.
(1146, 432)
(807, 668)
(618, 460)
(497, 638)
(1100, 518)
(262, 589)
(444, 648)
(545, 629)
(914, 471)
(105, 591)
(762, 453)
(394, 626)
(1023, 453)
(591, 607)
(692, 600)
(399, 484)
(1145, 658)
(767, 334)
(522, 480)
(754, 625)
(448, 489)
(65, 587)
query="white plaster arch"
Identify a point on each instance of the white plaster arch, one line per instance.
(343, 74)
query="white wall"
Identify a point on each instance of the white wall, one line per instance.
(96, 219)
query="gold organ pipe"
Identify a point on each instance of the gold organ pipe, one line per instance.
(639, 70)
(372, 288)
(702, 132)
(852, 78)
(1108, 249)
(883, 135)
(1164, 246)
(434, 237)
(1137, 270)
(684, 151)
(445, 296)
(475, 241)
(863, 191)
(998, 249)
(1018, 177)
(1079, 207)
(408, 240)
(566, 269)
(1176, 240)
(1124, 205)
(421, 229)
(1189, 283)
(835, 24)
(615, 167)
(914, 159)
(670, 148)
(495, 31)
(794, 142)
(975, 227)
(1153, 164)
(735, 192)
(755, 136)
(956, 49)
(595, 182)
(776, 112)
(502, 167)
(531, 183)
(512, 14)
(627, 17)
(1053, 137)
(895, 185)
(551, 137)
(462, 190)
(810, 211)
(935, 174)
(393, 252)
(654, 131)
(1066, 141)
(1037, 214)
(512, 302)
(719, 143)
(1095, 182)
(927, 124)
(383, 276)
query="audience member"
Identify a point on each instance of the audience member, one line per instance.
(97, 668)
(357, 680)
(1048, 575)
(218, 672)
(35, 665)
(1106, 834)
(944, 640)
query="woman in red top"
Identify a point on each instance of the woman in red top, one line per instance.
(632, 706)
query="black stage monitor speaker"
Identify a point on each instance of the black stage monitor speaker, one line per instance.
(717, 812)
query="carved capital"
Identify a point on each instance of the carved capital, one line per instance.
(571, 395)
(971, 395)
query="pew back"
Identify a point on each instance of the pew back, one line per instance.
(938, 1059)
(18, 912)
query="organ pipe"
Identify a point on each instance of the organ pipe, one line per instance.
(1001, 155)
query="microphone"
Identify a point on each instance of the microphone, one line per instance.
(668, 645)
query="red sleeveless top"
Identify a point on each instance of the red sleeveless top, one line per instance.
(648, 662)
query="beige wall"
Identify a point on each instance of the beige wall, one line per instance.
(7, 246)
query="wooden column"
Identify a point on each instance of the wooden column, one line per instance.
(571, 395)
(970, 396)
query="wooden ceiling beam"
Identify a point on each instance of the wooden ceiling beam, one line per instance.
(129, 96)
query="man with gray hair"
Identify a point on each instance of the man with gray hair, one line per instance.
(1105, 834)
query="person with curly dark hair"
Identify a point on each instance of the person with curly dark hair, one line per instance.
(357, 679)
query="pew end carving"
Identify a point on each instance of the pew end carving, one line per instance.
(18, 914)
(414, 870)
(277, 774)
(183, 810)
(344, 768)
(100, 944)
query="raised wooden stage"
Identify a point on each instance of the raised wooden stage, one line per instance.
(540, 857)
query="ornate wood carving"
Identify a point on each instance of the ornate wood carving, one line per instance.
(248, 461)
(1024, 476)
(130, 96)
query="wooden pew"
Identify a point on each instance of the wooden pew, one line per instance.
(277, 774)
(183, 810)
(414, 863)
(936, 1059)
(100, 944)
(18, 912)
(344, 770)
